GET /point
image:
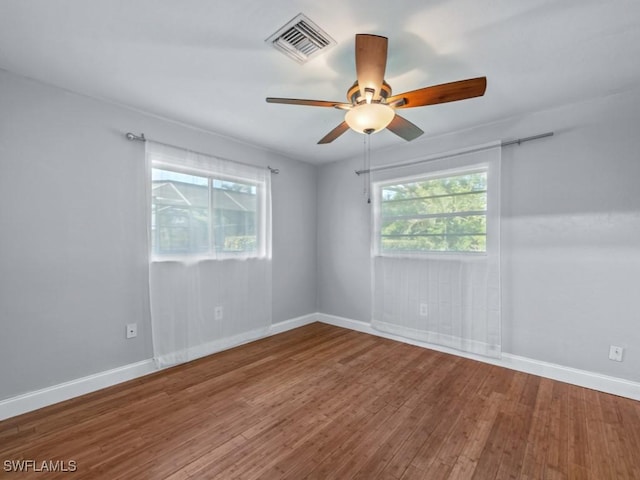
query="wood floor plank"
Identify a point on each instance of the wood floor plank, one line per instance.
(557, 464)
(520, 409)
(326, 402)
(537, 443)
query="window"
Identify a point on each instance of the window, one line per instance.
(439, 213)
(194, 213)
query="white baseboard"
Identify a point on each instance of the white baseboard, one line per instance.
(574, 376)
(220, 345)
(171, 359)
(434, 338)
(64, 391)
(293, 323)
(30, 401)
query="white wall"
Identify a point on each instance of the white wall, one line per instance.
(571, 224)
(73, 254)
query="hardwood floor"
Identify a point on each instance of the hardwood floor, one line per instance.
(322, 402)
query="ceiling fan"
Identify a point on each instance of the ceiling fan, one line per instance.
(371, 106)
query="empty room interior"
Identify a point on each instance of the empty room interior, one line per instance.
(288, 239)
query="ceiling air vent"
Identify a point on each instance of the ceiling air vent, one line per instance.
(301, 39)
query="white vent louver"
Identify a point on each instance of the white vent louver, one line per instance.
(301, 39)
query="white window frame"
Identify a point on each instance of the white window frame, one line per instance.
(261, 250)
(377, 188)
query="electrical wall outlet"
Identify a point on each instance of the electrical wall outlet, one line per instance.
(615, 353)
(132, 330)
(424, 310)
(218, 313)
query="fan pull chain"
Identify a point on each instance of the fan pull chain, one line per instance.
(364, 165)
(367, 164)
(368, 175)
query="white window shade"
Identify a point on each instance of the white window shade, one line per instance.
(434, 285)
(210, 253)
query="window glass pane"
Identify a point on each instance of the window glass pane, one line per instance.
(235, 220)
(457, 225)
(442, 214)
(469, 182)
(461, 202)
(180, 213)
(434, 243)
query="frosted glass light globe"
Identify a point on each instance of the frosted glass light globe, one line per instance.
(369, 116)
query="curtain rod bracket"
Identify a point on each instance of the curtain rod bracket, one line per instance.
(133, 136)
(275, 171)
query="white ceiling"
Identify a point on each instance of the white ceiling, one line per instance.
(205, 62)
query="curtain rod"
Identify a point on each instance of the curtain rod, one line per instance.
(449, 155)
(141, 138)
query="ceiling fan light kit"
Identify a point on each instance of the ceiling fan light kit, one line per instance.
(371, 117)
(371, 106)
(364, 115)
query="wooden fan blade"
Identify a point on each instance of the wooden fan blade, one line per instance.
(446, 92)
(335, 133)
(404, 128)
(308, 103)
(371, 62)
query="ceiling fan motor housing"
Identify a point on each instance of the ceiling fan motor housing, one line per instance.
(354, 96)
